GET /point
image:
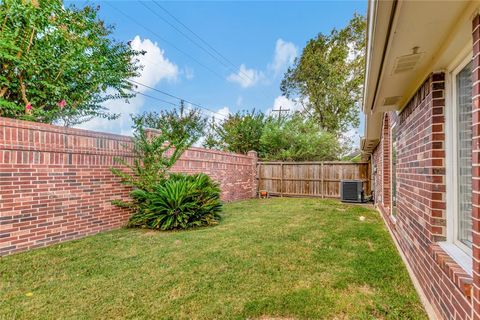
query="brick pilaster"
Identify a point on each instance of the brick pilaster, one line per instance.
(254, 155)
(476, 167)
(386, 143)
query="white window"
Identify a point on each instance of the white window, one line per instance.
(459, 163)
(463, 111)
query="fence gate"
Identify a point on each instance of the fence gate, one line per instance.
(310, 179)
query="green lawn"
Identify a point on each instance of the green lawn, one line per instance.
(268, 259)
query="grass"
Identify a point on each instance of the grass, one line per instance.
(268, 259)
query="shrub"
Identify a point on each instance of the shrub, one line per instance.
(179, 202)
(153, 157)
(179, 125)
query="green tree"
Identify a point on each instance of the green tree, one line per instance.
(153, 156)
(296, 138)
(239, 132)
(291, 137)
(328, 77)
(184, 126)
(60, 64)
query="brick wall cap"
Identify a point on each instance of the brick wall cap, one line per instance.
(22, 124)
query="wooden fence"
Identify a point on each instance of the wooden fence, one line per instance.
(310, 179)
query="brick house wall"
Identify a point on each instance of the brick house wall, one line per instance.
(421, 204)
(56, 184)
(476, 166)
(381, 161)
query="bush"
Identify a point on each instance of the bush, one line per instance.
(297, 138)
(153, 157)
(179, 202)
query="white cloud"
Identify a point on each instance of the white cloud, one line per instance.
(246, 77)
(122, 125)
(220, 114)
(353, 53)
(284, 103)
(156, 68)
(285, 54)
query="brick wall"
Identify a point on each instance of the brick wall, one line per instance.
(236, 173)
(377, 170)
(476, 166)
(386, 152)
(56, 184)
(421, 204)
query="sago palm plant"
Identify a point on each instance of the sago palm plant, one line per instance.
(179, 202)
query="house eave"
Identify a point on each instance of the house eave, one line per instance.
(435, 32)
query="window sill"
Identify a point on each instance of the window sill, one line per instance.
(456, 264)
(458, 255)
(393, 219)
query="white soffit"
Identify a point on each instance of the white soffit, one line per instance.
(424, 36)
(419, 33)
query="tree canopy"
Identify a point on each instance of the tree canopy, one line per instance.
(179, 126)
(293, 137)
(327, 79)
(296, 138)
(239, 132)
(60, 64)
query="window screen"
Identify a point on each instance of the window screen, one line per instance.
(464, 155)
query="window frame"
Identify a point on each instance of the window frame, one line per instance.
(451, 148)
(392, 216)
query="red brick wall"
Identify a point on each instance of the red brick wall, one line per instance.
(234, 172)
(421, 203)
(56, 184)
(377, 170)
(476, 166)
(386, 163)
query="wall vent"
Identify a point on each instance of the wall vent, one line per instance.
(391, 101)
(406, 63)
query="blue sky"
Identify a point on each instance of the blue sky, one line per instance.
(261, 38)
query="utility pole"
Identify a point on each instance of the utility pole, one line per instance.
(280, 110)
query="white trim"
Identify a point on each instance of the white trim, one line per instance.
(461, 258)
(394, 125)
(451, 154)
(461, 60)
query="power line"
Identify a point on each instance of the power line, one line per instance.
(176, 97)
(161, 91)
(143, 56)
(184, 34)
(171, 103)
(155, 98)
(166, 41)
(237, 70)
(200, 38)
(234, 69)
